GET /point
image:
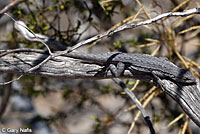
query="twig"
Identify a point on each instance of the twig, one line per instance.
(45, 39)
(40, 64)
(5, 52)
(29, 34)
(11, 81)
(9, 6)
(137, 102)
(6, 96)
(132, 25)
(146, 101)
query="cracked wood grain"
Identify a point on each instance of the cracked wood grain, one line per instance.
(187, 96)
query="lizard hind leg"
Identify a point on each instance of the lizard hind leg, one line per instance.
(117, 70)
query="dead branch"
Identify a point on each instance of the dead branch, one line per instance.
(19, 60)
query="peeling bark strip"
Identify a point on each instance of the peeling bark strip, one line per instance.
(187, 96)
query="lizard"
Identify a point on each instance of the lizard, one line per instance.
(118, 62)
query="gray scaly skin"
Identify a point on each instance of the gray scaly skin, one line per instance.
(118, 62)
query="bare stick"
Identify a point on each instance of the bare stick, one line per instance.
(11, 81)
(5, 52)
(132, 25)
(112, 31)
(29, 34)
(9, 6)
(40, 64)
(137, 102)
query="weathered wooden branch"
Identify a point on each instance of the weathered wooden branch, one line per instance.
(59, 67)
(187, 96)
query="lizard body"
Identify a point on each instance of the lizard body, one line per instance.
(118, 62)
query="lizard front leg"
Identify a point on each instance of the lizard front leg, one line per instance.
(117, 70)
(157, 80)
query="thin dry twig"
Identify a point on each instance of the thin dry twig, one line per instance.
(147, 94)
(137, 103)
(144, 105)
(185, 125)
(11, 81)
(29, 34)
(130, 26)
(175, 120)
(9, 6)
